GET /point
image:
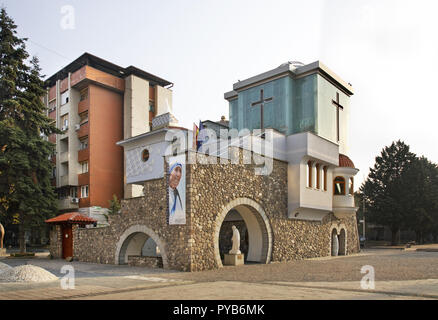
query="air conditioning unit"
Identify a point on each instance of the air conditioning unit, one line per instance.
(75, 200)
(64, 128)
(77, 126)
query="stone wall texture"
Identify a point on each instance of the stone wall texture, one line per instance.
(210, 189)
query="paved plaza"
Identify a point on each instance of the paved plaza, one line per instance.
(399, 274)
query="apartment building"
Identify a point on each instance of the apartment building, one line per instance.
(97, 103)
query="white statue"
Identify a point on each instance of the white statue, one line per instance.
(235, 249)
(335, 245)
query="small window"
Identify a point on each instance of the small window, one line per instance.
(151, 107)
(324, 174)
(145, 155)
(64, 122)
(73, 192)
(309, 174)
(65, 97)
(84, 191)
(339, 186)
(84, 144)
(318, 176)
(351, 186)
(84, 167)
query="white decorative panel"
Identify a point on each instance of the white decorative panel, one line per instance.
(138, 170)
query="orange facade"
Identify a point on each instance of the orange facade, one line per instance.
(105, 157)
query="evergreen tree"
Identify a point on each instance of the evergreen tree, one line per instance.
(387, 190)
(26, 193)
(423, 179)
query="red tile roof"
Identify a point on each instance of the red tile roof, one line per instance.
(71, 217)
(345, 161)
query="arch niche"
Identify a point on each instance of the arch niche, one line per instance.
(258, 229)
(139, 240)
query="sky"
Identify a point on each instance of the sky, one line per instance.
(386, 49)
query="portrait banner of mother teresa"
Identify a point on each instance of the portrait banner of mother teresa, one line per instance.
(177, 190)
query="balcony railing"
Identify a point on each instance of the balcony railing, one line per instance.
(83, 154)
(84, 130)
(84, 105)
(64, 157)
(68, 203)
(64, 180)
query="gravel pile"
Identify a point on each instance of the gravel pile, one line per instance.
(4, 267)
(27, 273)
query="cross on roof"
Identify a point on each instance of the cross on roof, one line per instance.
(261, 103)
(338, 105)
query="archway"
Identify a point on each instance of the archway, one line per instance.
(140, 241)
(334, 243)
(251, 218)
(342, 243)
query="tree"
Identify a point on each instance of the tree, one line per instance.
(25, 169)
(423, 179)
(387, 190)
(114, 205)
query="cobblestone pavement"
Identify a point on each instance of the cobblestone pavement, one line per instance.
(398, 275)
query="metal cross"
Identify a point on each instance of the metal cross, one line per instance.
(338, 105)
(261, 103)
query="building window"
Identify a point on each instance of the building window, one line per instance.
(351, 186)
(84, 144)
(309, 174)
(52, 106)
(84, 191)
(145, 155)
(339, 186)
(53, 172)
(64, 122)
(73, 192)
(84, 94)
(151, 107)
(324, 175)
(84, 167)
(64, 97)
(318, 176)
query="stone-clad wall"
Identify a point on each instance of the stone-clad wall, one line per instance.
(210, 189)
(99, 244)
(55, 246)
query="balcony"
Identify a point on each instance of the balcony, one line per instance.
(83, 105)
(84, 178)
(84, 202)
(68, 203)
(64, 180)
(83, 154)
(64, 157)
(84, 130)
(343, 206)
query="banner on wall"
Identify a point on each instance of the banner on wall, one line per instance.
(177, 190)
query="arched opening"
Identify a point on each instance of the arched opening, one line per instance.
(339, 186)
(233, 218)
(334, 243)
(140, 246)
(254, 228)
(342, 243)
(140, 249)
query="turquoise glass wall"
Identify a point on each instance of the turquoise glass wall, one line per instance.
(293, 108)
